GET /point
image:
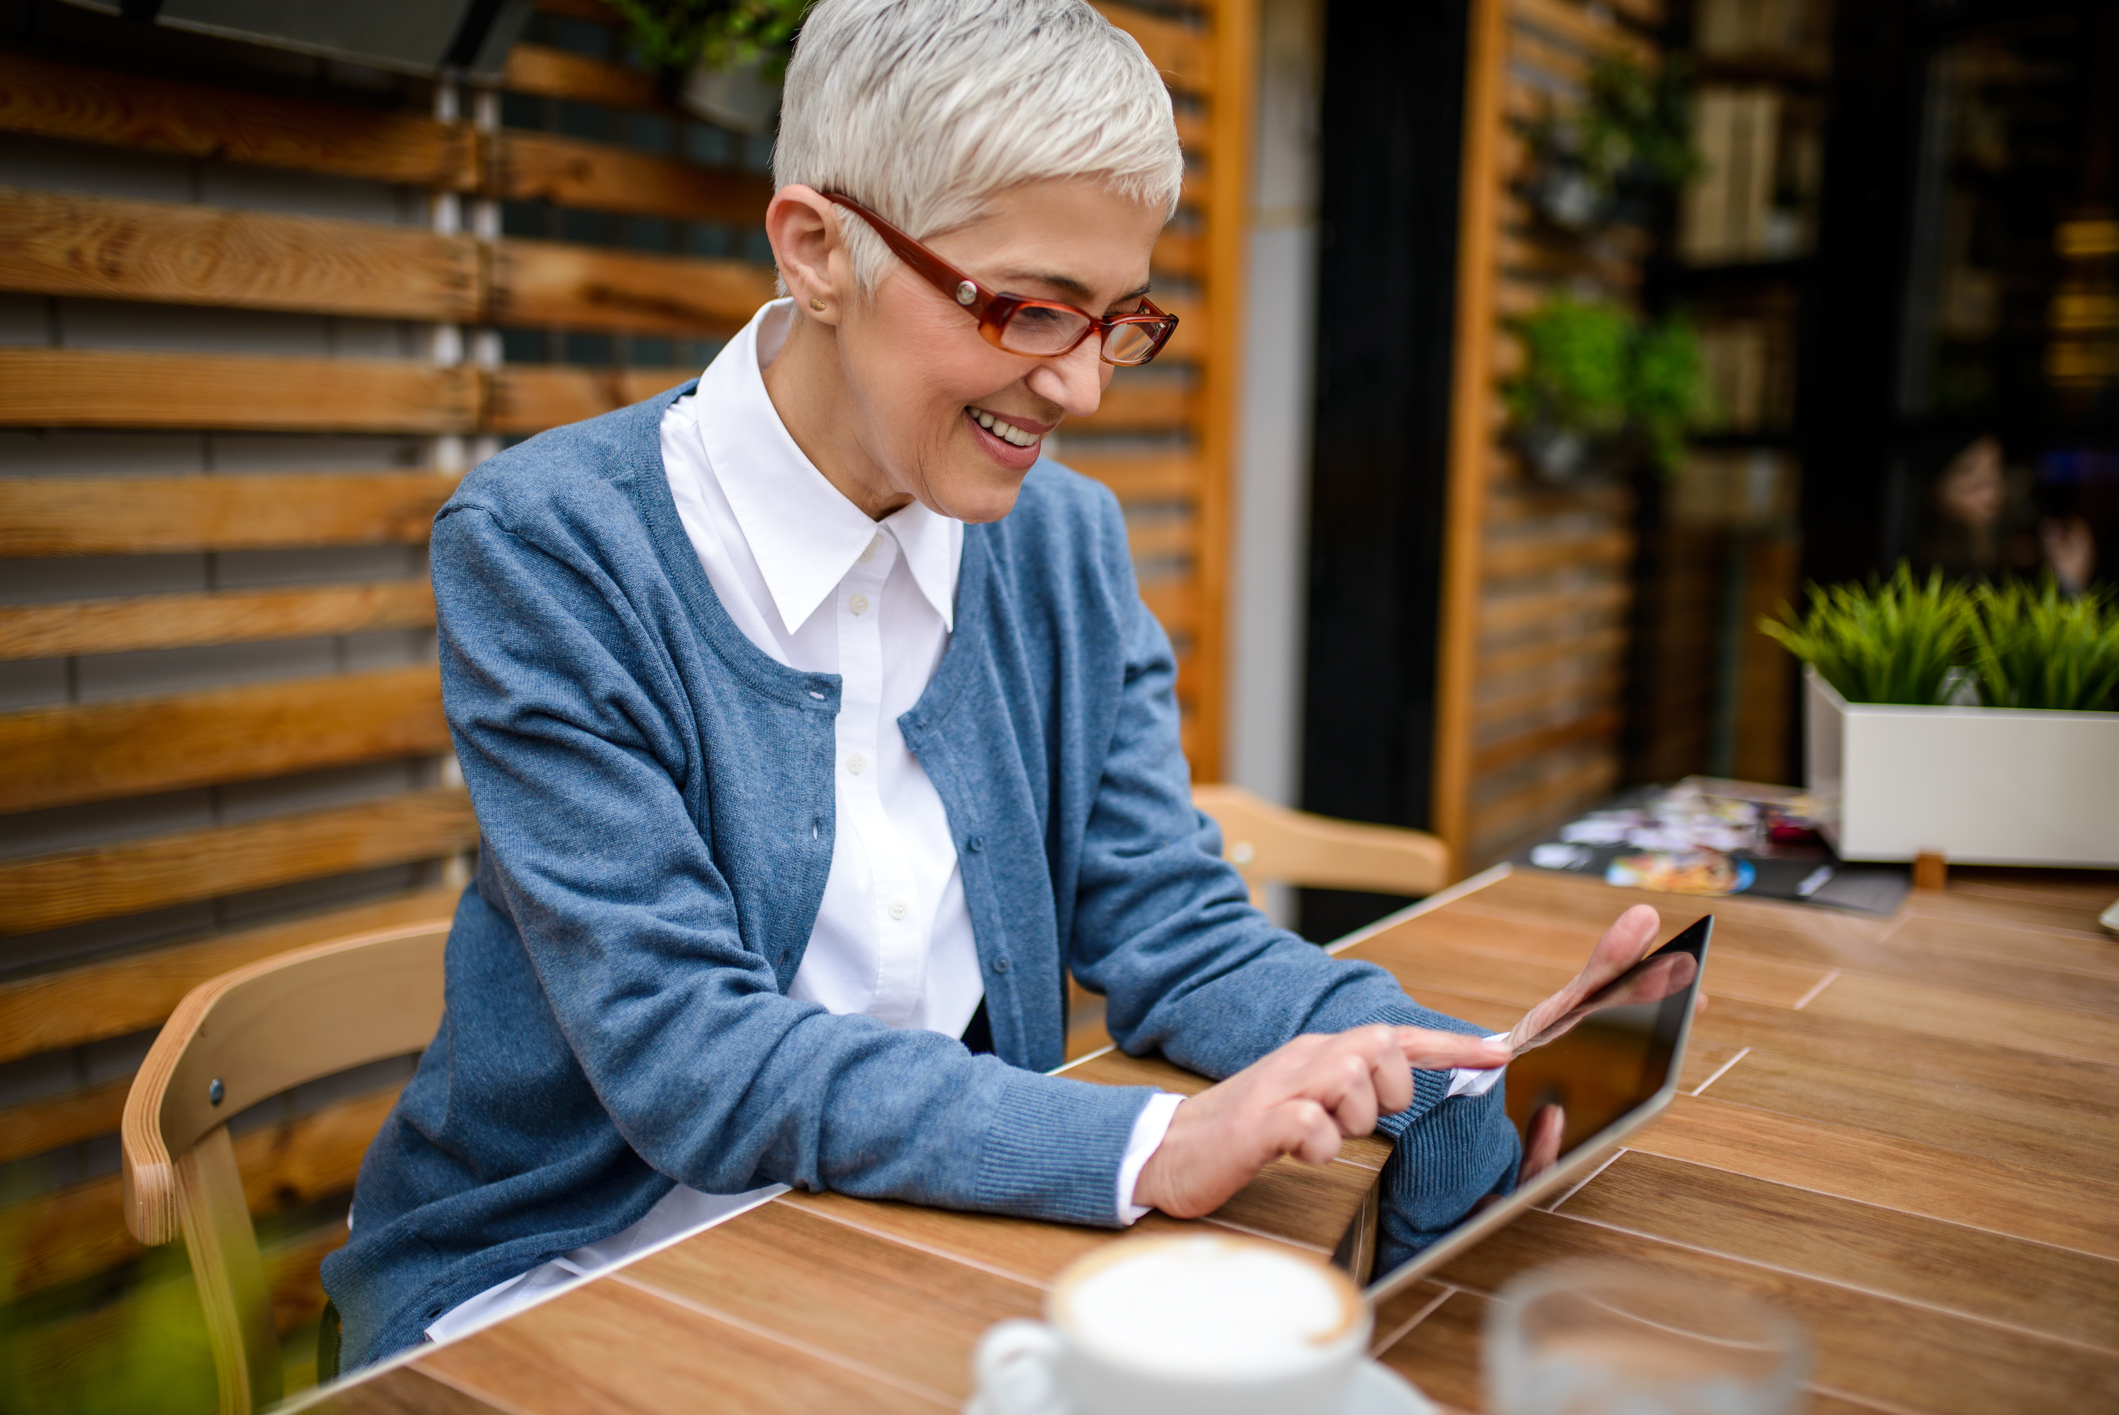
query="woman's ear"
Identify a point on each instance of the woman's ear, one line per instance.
(804, 232)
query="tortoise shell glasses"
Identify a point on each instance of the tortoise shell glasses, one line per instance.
(1038, 329)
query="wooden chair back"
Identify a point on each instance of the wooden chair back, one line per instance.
(1269, 843)
(236, 1040)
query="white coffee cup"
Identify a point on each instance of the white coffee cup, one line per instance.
(1181, 1324)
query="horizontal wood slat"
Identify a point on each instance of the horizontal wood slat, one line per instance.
(74, 886)
(1177, 252)
(1163, 538)
(1149, 476)
(581, 287)
(1509, 751)
(59, 244)
(173, 621)
(1175, 605)
(62, 756)
(40, 1127)
(1140, 405)
(1179, 51)
(574, 172)
(157, 115)
(1521, 556)
(528, 398)
(81, 1231)
(558, 73)
(115, 998)
(104, 388)
(55, 516)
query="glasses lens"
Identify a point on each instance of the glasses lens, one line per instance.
(1043, 329)
(1132, 343)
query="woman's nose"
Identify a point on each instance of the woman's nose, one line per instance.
(1074, 380)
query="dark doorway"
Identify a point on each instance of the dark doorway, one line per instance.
(1391, 133)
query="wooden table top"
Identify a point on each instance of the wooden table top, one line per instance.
(1901, 1130)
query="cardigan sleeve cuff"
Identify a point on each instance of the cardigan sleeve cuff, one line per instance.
(1055, 1148)
(1430, 1088)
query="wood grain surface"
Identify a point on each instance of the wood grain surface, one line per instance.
(105, 751)
(173, 621)
(105, 881)
(54, 516)
(114, 388)
(1928, 1194)
(54, 243)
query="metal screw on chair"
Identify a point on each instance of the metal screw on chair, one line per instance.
(216, 1092)
(1242, 853)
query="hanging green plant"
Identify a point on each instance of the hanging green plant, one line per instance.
(1630, 135)
(724, 34)
(1597, 385)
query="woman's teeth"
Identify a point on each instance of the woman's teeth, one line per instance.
(1006, 431)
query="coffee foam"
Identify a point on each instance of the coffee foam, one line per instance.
(1204, 1306)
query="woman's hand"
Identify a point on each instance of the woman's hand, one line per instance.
(1301, 1100)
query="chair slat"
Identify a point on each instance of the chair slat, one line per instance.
(54, 516)
(108, 388)
(75, 886)
(130, 994)
(223, 1248)
(106, 751)
(158, 115)
(582, 287)
(54, 243)
(171, 621)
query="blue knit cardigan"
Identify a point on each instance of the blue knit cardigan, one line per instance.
(655, 798)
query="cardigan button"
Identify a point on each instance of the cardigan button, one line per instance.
(1001, 964)
(975, 844)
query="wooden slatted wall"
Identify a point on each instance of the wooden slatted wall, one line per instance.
(131, 867)
(1537, 579)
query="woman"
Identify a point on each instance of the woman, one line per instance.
(817, 730)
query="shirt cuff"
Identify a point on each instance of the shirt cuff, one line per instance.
(1149, 1127)
(1463, 1080)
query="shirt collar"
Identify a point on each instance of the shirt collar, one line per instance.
(802, 531)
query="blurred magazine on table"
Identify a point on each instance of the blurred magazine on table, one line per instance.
(1712, 837)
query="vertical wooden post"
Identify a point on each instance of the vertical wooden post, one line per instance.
(1470, 424)
(1228, 235)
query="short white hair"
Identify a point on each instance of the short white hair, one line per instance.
(922, 110)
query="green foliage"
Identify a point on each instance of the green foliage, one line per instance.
(1894, 642)
(2032, 648)
(726, 33)
(1638, 121)
(1668, 388)
(143, 1352)
(1592, 368)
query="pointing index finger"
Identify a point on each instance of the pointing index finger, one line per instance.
(1431, 1050)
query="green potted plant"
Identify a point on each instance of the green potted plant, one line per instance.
(1978, 723)
(1599, 388)
(725, 58)
(1602, 160)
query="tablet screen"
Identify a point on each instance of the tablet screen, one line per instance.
(1576, 1085)
(1609, 1056)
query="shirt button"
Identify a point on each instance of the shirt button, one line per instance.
(869, 553)
(897, 908)
(857, 763)
(858, 604)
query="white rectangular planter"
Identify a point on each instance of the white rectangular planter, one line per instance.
(1983, 786)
